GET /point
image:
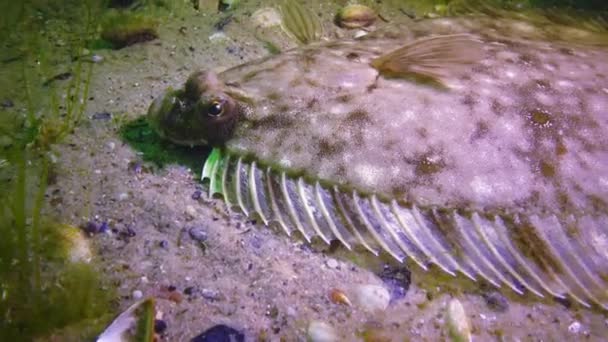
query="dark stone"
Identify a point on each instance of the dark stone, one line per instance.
(220, 333)
(128, 233)
(91, 227)
(103, 227)
(7, 104)
(160, 326)
(190, 290)
(398, 280)
(211, 294)
(566, 302)
(197, 194)
(120, 3)
(223, 22)
(171, 288)
(102, 116)
(163, 244)
(197, 234)
(496, 301)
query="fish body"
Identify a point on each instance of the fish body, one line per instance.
(496, 170)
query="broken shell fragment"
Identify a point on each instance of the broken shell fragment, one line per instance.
(355, 16)
(339, 297)
(134, 324)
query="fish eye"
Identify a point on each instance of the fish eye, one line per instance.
(216, 108)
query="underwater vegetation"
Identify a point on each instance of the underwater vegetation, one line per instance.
(123, 28)
(159, 152)
(47, 282)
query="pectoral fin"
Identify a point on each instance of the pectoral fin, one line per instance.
(431, 59)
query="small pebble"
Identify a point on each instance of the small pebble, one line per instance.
(332, 263)
(197, 234)
(372, 297)
(7, 104)
(111, 145)
(96, 58)
(91, 227)
(160, 326)
(218, 36)
(458, 326)
(101, 116)
(190, 290)
(197, 195)
(220, 333)
(496, 301)
(397, 279)
(190, 212)
(137, 294)
(266, 17)
(321, 332)
(123, 196)
(103, 227)
(575, 327)
(209, 294)
(129, 232)
(163, 244)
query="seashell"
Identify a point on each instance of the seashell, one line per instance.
(355, 16)
(339, 297)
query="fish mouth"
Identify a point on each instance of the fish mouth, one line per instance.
(173, 117)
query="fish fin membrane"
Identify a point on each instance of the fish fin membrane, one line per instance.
(544, 255)
(583, 19)
(431, 59)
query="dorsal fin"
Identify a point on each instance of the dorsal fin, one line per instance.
(433, 58)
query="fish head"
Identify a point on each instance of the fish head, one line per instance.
(202, 113)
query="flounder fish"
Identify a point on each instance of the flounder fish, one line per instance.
(479, 145)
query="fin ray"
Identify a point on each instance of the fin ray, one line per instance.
(531, 253)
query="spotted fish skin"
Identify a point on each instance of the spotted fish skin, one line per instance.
(500, 175)
(524, 129)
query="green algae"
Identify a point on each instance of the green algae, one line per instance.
(43, 290)
(123, 28)
(141, 137)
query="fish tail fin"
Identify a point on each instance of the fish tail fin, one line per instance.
(434, 58)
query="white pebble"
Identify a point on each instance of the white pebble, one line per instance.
(575, 327)
(321, 332)
(332, 263)
(137, 294)
(96, 58)
(190, 212)
(111, 145)
(458, 324)
(266, 17)
(372, 297)
(123, 196)
(218, 36)
(360, 33)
